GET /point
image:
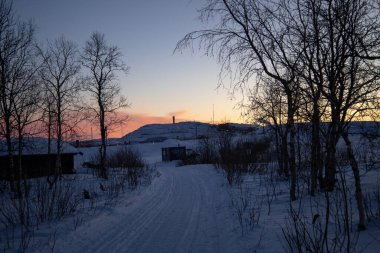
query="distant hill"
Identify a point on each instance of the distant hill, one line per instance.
(161, 132)
(193, 130)
(367, 128)
(181, 131)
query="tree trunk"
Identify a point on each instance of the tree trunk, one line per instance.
(332, 140)
(278, 150)
(316, 158)
(58, 163)
(103, 146)
(292, 150)
(284, 153)
(50, 172)
(19, 169)
(292, 163)
(358, 188)
(11, 171)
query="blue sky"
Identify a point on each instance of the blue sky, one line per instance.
(159, 83)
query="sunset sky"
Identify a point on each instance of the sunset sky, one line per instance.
(160, 84)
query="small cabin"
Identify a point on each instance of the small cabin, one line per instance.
(173, 153)
(36, 160)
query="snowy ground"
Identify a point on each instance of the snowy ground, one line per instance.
(189, 209)
(184, 210)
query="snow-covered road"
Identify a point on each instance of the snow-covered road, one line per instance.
(184, 210)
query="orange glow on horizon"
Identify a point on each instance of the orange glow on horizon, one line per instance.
(137, 120)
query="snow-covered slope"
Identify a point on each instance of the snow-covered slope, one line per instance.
(183, 131)
(193, 209)
(161, 132)
(184, 210)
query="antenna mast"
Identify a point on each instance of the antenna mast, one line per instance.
(213, 114)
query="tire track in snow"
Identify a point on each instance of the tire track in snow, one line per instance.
(137, 217)
(177, 221)
(152, 228)
(176, 214)
(189, 236)
(138, 221)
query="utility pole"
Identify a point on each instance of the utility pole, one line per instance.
(213, 114)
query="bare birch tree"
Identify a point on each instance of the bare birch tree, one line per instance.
(16, 38)
(251, 38)
(341, 62)
(267, 105)
(103, 62)
(26, 108)
(323, 51)
(59, 74)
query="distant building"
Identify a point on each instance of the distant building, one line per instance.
(173, 153)
(35, 160)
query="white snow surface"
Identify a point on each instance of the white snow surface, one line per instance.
(37, 146)
(188, 209)
(182, 131)
(184, 210)
(160, 132)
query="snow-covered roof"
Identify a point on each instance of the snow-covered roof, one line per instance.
(37, 146)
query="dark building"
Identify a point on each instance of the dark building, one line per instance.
(35, 160)
(173, 153)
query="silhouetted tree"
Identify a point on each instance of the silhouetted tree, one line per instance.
(251, 37)
(59, 74)
(16, 38)
(325, 52)
(103, 62)
(267, 105)
(342, 64)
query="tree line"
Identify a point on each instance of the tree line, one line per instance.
(297, 61)
(47, 89)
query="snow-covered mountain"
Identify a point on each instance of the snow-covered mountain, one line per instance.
(183, 131)
(161, 132)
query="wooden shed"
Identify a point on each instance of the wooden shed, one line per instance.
(35, 160)
(173, 153)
